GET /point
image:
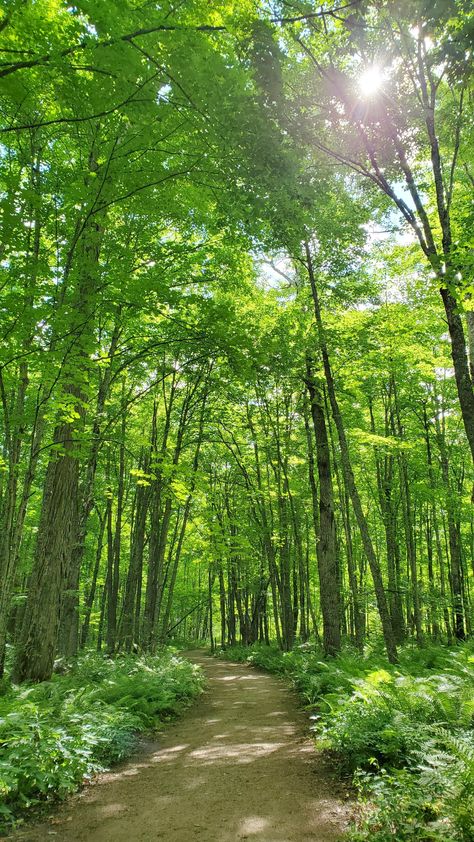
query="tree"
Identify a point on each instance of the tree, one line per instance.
(393, 82)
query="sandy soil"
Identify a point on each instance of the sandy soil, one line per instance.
(238, 765)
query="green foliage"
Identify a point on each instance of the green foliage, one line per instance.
(431, 799)
(161, 165)
(406, 733)
(56, 735)
(269, 658)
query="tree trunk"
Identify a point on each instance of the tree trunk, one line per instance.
(329, 586)
(460, 364)
(38, 637)
(69, 626)
(454, 537)
(388, 634)
(60, 506)
(90, 594)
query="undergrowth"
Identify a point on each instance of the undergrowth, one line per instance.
(404, 732)
(56, 735)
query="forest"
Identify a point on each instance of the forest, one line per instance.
(237, 383)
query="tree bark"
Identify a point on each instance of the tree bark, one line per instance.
(38, 637)
(329, 585)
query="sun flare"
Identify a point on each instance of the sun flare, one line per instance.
(371, 80)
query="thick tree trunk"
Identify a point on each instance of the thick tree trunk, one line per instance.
(12, 451)
(38, 637)
(12, 516)
(60, 507)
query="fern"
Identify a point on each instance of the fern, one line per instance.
(405, 731)
(57, 734)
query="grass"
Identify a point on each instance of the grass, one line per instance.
(405, 733)
(56, 735)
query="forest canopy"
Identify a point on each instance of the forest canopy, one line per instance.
(237, 354)
(236, 380)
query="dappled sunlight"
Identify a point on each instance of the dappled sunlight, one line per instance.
(129, 772)
(227, 678)
(238, 752)
(113, 810)
(174, 749)
(167, 755)
(240, 678)
(256, 731)
(252, 825)
(237, 420)
(245, 774)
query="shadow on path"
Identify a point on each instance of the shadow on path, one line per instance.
(238, 765)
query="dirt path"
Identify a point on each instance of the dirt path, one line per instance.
(238, 765)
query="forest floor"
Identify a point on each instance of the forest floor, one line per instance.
(238, 765)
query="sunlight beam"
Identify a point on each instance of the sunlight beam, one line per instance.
(371, 80)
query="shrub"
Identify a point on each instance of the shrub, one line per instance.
(405, 732)
(57, 734)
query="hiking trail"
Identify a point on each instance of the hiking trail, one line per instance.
(239, 764)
